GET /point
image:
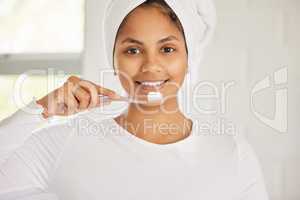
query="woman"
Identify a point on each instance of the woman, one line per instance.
(148, 152)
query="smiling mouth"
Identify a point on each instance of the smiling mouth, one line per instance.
(151, 84)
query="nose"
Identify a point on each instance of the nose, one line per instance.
(151, 64)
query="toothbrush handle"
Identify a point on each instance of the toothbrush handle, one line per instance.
(106, 98)
(127, 99)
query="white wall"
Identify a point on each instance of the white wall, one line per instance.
(254, 39)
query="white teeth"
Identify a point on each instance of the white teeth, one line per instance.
(156, 83)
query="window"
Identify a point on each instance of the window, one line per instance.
(43, 26)
(38, 35)
(34, 86)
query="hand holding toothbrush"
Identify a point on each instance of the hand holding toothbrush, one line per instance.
(73, 96)
(78, 95)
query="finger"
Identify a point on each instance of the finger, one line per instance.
(107, 92)
(92, 90)
(73, 79)
(104, 101)
(83, 97)
(62, 110)
(60, 101)
(72, 104)
(70, 100)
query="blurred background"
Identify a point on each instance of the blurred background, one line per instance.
(255, 48)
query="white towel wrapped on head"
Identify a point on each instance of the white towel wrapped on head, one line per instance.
(198, 18)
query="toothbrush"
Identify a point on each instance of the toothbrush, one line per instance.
(151, 97)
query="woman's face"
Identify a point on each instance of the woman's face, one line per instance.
(150, 54)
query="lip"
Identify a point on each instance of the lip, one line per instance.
(148, 88)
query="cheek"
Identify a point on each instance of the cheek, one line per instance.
(127, 65)
(127, 68)
(177, 69)
(127, 84)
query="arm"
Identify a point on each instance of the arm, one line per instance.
(26, 173)
(250, 178)
(20, 125)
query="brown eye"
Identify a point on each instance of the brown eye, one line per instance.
(168, 49)
(133, 51)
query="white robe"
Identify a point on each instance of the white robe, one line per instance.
(85, 158)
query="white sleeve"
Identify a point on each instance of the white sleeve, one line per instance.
(28, 170)
(250, 178)
(20, 125)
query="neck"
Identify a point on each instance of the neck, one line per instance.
(159, 124)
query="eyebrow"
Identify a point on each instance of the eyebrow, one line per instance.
(131, 40)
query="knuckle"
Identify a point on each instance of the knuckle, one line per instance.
(83, 82)
(88, 85)
(68, 85)
(73, 78)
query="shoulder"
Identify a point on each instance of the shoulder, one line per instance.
(236, 145)
(246, 156)
(35, 159)
(227, 146)
(244, 149)
(251, 181)
(250, 178)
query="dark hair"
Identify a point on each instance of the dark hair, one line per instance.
(165, 9)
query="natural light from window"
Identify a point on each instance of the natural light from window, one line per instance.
(41, 26)
(36, 27)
